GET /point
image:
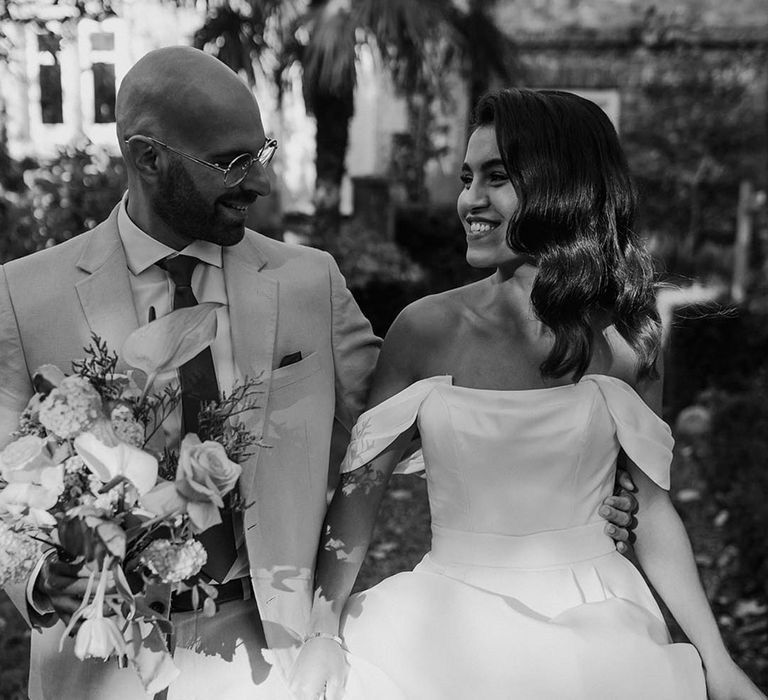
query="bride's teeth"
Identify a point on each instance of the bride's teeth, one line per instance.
(477, 227)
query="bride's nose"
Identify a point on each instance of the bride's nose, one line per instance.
(474, 198)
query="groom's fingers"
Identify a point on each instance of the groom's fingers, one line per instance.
(614, 516)
(626, 503)
(625, 480)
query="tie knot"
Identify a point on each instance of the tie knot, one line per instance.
(180, 268)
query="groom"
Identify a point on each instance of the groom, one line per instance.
(195, 150)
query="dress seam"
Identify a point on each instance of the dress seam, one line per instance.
(580, 451)
(463, 479)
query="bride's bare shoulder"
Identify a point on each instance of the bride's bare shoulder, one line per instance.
(419, 333)
(432, 317)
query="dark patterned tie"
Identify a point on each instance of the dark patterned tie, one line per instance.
(198, 384)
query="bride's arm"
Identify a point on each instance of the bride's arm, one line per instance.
(664, 551)
(348, 527)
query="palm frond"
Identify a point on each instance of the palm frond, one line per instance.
(329, 58)
(485, 48)
(405, 35)
(240, 36)
(401, 25)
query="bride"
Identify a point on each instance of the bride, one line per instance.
(523, 387)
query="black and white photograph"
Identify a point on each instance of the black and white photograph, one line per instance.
(383, 350)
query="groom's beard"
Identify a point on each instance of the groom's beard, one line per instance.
(190, 214)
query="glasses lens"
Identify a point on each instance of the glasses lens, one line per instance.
(238, 170)
(267, 152)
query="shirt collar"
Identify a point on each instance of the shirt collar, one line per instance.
(142, 251)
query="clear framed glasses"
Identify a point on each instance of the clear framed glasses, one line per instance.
(238, 168)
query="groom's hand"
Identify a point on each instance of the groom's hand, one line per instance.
(63, 585)
(619, 510)
(320, 671)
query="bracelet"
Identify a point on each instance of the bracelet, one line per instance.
(325, 635)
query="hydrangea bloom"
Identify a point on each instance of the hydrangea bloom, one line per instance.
(71, 408)
(126, 427)
(18, 555)
(174, 562)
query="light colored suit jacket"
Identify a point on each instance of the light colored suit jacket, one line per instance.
(283, 299)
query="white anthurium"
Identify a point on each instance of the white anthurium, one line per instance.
(165, 499)
(167, 343)
(107, 462)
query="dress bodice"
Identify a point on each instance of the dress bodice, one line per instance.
(518, 462)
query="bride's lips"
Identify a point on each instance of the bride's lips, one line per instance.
(480, 228)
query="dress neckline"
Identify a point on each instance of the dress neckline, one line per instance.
(596, 376)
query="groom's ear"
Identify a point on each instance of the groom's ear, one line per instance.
(145, 157)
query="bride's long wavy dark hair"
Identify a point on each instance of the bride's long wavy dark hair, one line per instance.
(577, 208)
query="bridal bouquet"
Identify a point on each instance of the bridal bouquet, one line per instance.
(81, 478)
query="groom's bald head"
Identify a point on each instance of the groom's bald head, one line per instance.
(182, 94)
(203, 117)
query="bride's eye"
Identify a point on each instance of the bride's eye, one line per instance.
(466, 180)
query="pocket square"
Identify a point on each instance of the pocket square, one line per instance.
(290, 359)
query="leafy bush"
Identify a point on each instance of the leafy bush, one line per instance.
(721, 350)
(434, 238)
(58, 199)
(737, 471)
(738, 480)
(719, 361)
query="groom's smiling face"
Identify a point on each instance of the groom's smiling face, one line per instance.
(191, 198)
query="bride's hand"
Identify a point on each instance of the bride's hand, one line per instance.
(320, 671)
(727, 681)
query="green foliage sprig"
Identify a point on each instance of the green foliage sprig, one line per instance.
(156, 408)
(217, 420)
(98, 367)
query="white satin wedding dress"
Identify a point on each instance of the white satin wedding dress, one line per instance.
(522, 595)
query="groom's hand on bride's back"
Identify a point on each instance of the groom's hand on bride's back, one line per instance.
(619, 510)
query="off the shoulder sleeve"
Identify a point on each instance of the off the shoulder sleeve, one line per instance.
(379, 427)
(644, 436)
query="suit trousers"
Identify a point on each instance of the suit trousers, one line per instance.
(219, 657)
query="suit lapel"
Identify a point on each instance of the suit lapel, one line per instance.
(105, 294)
(252, 301)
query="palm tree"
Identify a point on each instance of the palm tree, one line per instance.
(417, 41)
(486, 52)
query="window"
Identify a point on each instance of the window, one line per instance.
(51, 100)
(102, 57)
(102, 41)
(104, 93)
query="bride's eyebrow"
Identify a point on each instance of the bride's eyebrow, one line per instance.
(493, 163)
(485, 165)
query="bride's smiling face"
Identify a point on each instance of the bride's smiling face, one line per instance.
(487, 202)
